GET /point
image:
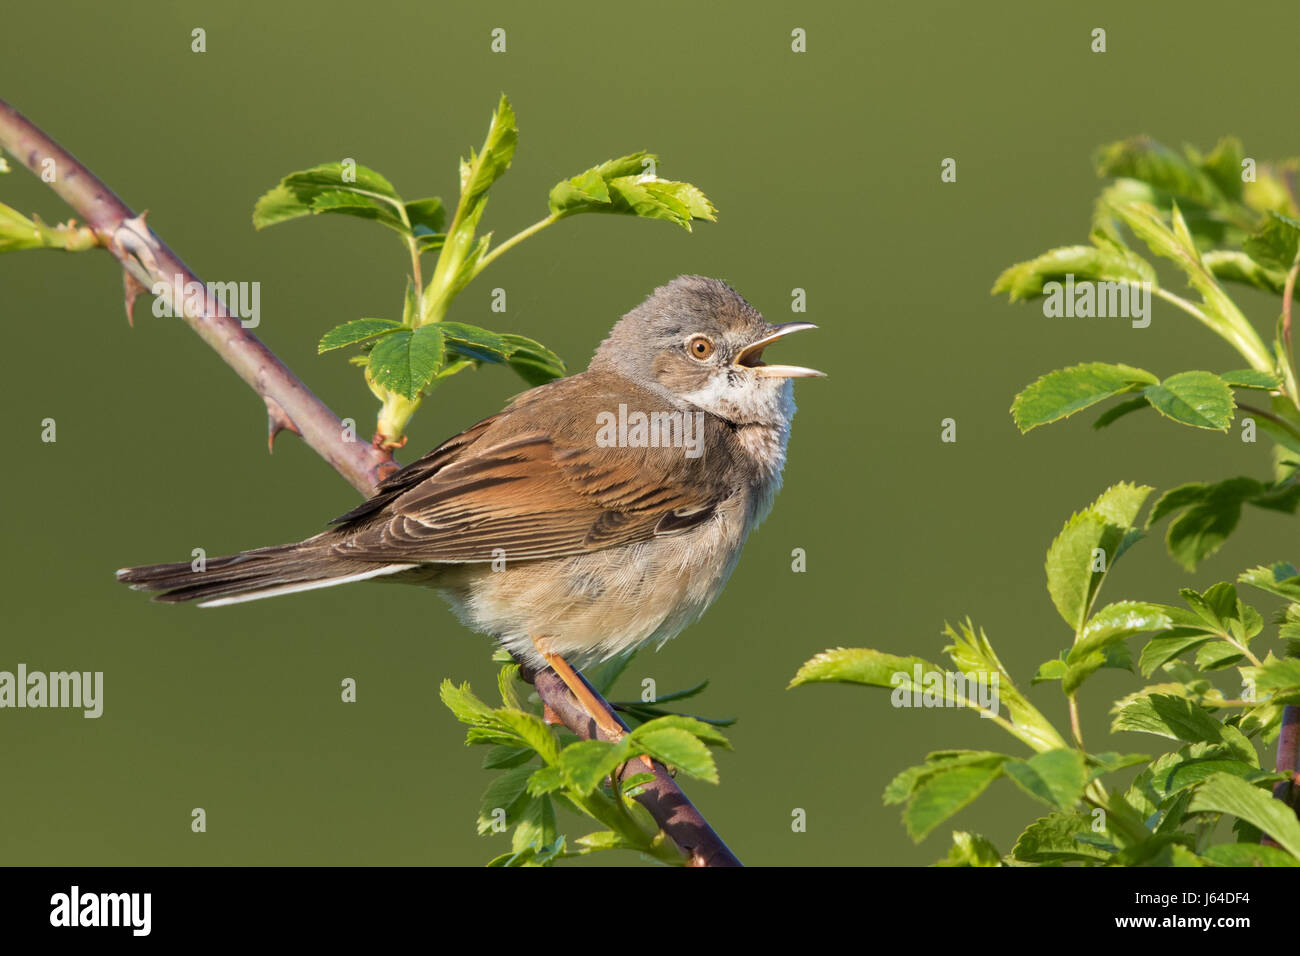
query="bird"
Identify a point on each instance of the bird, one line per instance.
(595, 514)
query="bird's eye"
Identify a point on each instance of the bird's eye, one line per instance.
(700, 347)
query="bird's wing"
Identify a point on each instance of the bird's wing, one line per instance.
(404, 479)
(540, 492)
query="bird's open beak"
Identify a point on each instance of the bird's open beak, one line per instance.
(752, 356)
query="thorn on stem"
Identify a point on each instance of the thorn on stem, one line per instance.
(277, 420)
(131, 289)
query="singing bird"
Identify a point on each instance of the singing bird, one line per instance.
(595, 514)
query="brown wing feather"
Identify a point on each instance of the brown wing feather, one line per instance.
(534, 492)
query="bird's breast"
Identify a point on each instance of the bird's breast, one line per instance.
(605, 602)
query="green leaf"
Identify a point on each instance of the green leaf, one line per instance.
(1055, 839)
(1084, 667)
(1283, 495)
(1276, 678)
(506, 678)
(505, 757)
(324, 189)
(1056, 777)
(652, 198)
(677, 748)
(329, 177)
(547, 779)
(1191, 764)
(363, 207)
(1119, 410)
(1233, 266)
(685, 694)
(473, 342)
(1223, 165)
(483, 169)
(406, 361)
(427, 216)
(1221, 609)
(590, 188)
(1223, 793)
(1289, 625)
(1063, 392)
(1281, 579)
(467, 708)
(1166, 849)
(1055, 669)
(278, 205)
(586, 763)
(634, 782)
(1144, 159)
(1199, 399)
(1175, 242)
(943, 795)
(1217, 655)
(18, 232)
(536, 828)
(1117, 622)
(1120, 503)
(1110, 762)
(859, 665)
(532, 361)
(604, 840)
(535, 363)
(1251, 378)
(1212, 512)
(507, 793)
(1248, 854)
(1160, 650)
(971, 849)
(973, 655)
(707, 732)
(1180, 719)
(1103, 527)
(356, 331)
(1275, 245)
(906, 783)
(1102, 263)
(625, 186)
(530, 729)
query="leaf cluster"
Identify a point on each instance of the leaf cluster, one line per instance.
(543, 770)
(404, 359)
(1168, 814)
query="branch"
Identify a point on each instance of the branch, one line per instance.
(291, 405)
(1288, 749)
(1288, 292)
(148, 261)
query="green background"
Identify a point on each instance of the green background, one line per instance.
(825, 168)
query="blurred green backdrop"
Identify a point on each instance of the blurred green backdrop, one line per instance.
(825, 168)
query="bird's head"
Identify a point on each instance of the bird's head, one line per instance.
(700, 342)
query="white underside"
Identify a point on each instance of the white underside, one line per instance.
(306, 586)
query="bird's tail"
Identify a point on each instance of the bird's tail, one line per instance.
(252, 575)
